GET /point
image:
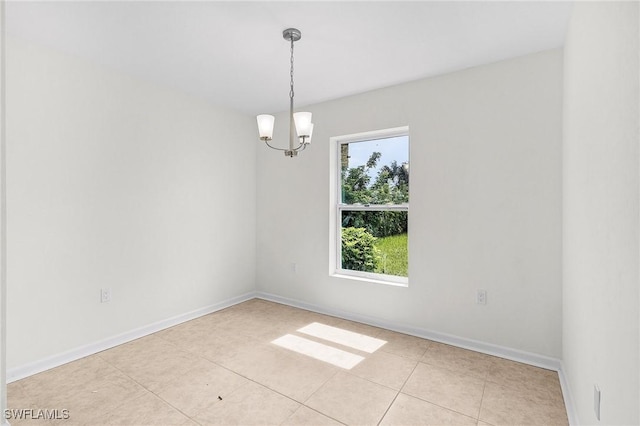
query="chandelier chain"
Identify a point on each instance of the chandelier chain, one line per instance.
(291, 72)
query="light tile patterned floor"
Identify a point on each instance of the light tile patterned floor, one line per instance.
(222, 369)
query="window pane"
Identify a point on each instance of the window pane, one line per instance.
(375, 241)
(375, 171)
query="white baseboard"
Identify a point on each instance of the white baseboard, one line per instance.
(572, 414)
(23, 371)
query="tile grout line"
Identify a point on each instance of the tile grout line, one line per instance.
(301, 403)
(146, 390)
(196, 414)
(335, 373)
(440, 406)
(484, 387)
(388, 408)
(401, 387)
(274, 390)
(154, 393)
(433, 403)
(313, 409)
(101, 376)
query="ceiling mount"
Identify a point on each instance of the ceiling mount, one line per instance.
(292, 34)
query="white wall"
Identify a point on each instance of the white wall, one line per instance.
(601, 210)
(115, 182)
(485, 205)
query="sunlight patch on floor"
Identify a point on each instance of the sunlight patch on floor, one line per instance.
(319, 351)
(343, 337)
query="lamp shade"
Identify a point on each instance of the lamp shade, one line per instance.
(308, 140)
(265, 126)
(303, 123)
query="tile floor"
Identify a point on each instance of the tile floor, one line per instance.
(222, 369)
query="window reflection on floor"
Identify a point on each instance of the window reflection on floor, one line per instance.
(343, 337)
(328, 353)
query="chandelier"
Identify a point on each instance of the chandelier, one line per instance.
(300, 124)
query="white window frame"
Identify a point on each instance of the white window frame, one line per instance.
(336, 208)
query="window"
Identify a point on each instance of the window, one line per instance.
(370, 203)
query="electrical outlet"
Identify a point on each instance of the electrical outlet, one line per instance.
(294, 268)
(596, 401)
(105, 295)
(481, 297)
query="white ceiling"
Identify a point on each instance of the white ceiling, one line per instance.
(233, 53)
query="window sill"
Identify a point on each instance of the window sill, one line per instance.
(403, 283)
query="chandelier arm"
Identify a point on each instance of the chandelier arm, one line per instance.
(299, 147)
(275, 147)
